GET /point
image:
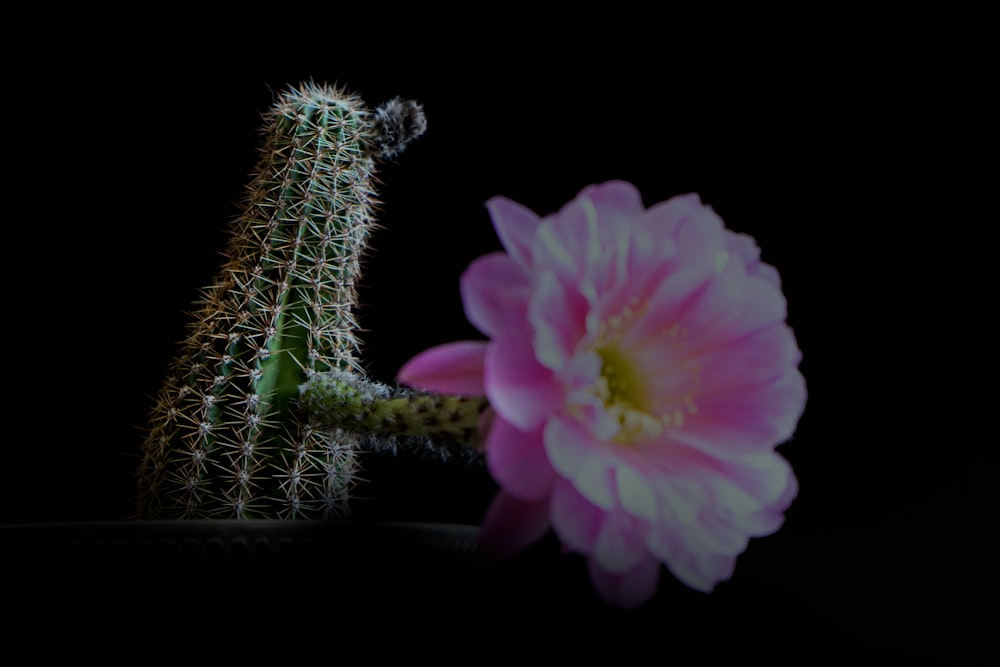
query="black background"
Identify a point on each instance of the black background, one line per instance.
(857, 157)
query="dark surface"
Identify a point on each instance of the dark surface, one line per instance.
(387, 583)
(863, 178)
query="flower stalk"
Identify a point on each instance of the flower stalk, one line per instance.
(345, 400)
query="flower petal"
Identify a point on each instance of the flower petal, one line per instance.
(694, 227)
(681, 499)
(515, 225)
(663, 307)
(628, 590)
(747, 249)
(700, 235)
(586, 242)
(703, 572)
(576, 456)
(495, 292)
(517, 461)
(455, 368)
(771, 518)
(732, 306)
(717, 535)
(636, 493)
(617, 201)
(699, 570)
(559, 244)
(519, 388)
(769, 480)
(511, 525)
(755, 359)
(576, 520)
(738, 423)
(607, 536)
(558, 317)
(617, 205)
(618, 547)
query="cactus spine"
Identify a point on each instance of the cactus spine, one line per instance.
(226, 437)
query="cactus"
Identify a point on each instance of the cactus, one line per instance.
(226, 437)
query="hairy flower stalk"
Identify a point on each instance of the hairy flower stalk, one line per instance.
(226, 437)
(387, 417)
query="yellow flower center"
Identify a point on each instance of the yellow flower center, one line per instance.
(621, 385)
(621, 388)
(625, 392)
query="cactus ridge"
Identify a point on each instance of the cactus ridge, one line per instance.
(226, 437)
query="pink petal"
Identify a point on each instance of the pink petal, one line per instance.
(452, 368)
(511, 525)
(743, 245)
(704, 571)
(576, 456)
(615, 201)
(636, 492)
(698, 232)
(586, 242)
(517, 461)
(616, 206)
(719, 536)
(618, 547)
(766, 477)
(753, 360)
(670, 214)
(732, 502)
(558, 316)
(576, 521)
(651, 248)
(681, 499)
(760, 524)
(767, 273)
(637, 277)
(515, 226)
(578, 377)
(486, 419)
(700, 235)
(769, 520)
(563, 243)
(664, 306)
(699, 570)
(520, 389)
(769, 479)
(743, 422)
(732, 306)
(586, 238)
(495, 292)
(628, 590)
(746, 247)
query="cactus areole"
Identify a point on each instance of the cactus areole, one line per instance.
(226, 437)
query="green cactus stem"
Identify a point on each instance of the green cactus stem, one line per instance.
(226, 438)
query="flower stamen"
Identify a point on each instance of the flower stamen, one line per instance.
(622, 389)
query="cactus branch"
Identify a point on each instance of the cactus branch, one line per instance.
(226, 437)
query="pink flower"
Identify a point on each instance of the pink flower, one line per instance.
(641, 373)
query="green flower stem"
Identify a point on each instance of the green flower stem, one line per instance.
(344, 400)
